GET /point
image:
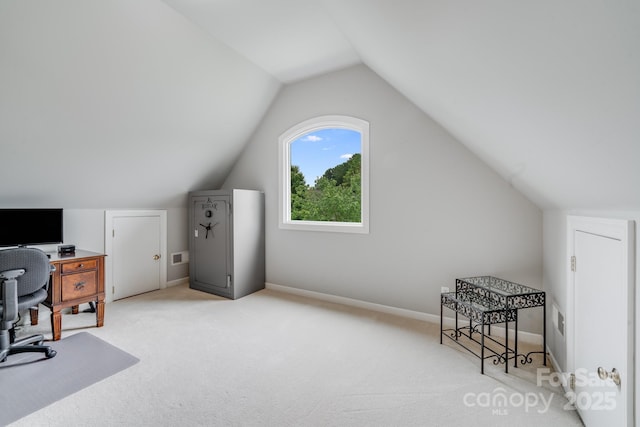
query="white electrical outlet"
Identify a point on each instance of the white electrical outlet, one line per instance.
(444, 289)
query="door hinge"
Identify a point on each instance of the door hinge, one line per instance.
(113, 233)
(572, 381)
(113, 290)
(228, 280)
(573, 263)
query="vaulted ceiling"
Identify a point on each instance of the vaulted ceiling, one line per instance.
(546, 92)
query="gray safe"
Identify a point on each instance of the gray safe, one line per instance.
(226, 242)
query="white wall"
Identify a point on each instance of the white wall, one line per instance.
(85, 228)
(554, 276)
(119, 103)
(556, 262)
(437, 211)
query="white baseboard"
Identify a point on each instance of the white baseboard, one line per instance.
(554, 362)
(449, 322)
(356, 303)
(564, 376)
(178, 282)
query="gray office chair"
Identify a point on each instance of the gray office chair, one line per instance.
(24, 279)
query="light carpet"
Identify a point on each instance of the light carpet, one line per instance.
(273, 359)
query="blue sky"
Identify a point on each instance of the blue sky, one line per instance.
(318, 151)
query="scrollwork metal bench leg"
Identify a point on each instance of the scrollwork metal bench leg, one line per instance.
(515, 345)
(482, 351)
(456, 305)
(506, 345)
(441, 323)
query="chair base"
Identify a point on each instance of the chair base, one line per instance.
(32, 344)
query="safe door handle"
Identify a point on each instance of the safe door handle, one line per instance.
(614, 375)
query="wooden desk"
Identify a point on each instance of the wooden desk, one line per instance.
(78, 279)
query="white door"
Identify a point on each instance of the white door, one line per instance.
(600, 352)
(135, 253)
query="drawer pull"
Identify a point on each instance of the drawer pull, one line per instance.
(80, 285)
(80, 265)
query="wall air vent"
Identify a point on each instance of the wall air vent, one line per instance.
(178, 258)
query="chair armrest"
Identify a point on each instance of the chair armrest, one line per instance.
(52, 268)
(10, 298)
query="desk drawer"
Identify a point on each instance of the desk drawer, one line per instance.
(72, 267)
(79, 285)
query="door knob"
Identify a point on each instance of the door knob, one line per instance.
(156, 257)
(614, 375)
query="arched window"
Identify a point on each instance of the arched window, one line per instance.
(324, 175)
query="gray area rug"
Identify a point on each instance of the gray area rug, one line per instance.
(29, 381)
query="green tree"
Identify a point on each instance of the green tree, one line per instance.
(299, 188)
(340, 173)
(335, 196)
(331, 202)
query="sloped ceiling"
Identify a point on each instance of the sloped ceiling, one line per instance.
(289, 39)
(118, 104)
(545, 92)
(133, 103)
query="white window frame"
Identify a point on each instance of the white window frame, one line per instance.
(284, 164)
